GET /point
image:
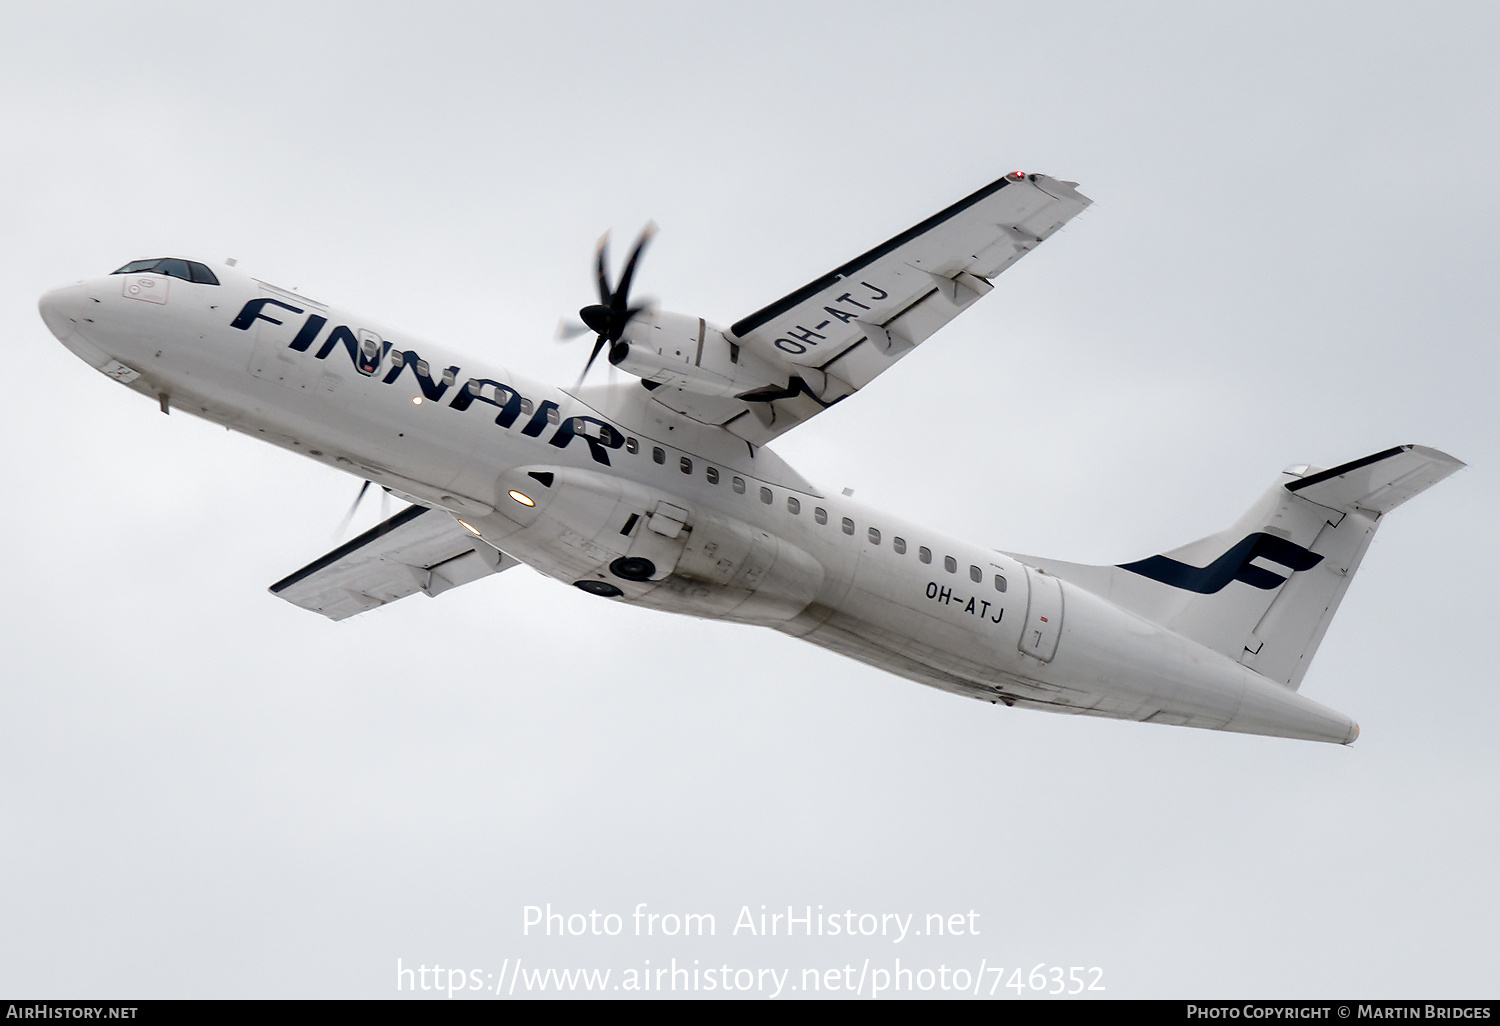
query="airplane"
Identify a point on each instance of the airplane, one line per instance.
(662, 490)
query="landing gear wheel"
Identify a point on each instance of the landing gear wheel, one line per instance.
(633, 568)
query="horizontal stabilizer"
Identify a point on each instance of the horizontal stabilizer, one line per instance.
(1378, 483)
(418, 549)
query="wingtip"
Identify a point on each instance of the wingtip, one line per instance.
(1438, 454)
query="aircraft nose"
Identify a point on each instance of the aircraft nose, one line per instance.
(60, 310)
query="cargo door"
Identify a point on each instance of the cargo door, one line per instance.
(272, 357)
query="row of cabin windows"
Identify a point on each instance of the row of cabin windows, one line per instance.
(553, 417)
(794, 506)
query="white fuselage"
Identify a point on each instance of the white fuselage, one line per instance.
(729, 533)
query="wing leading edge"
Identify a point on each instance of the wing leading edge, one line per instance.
(418, 549)
(839, 332)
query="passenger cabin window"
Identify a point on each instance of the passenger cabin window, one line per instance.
(792, 505)
(899, 544)
(999, 583)
(874, 536)
(658, 454)
(685, 465)
(820, 514)
(187, 270)
(632, 445)
(950, 564)
(975, 574)
(765, 496)
(526, 407)
(848, 526)
(552, 415)
(739, 485)
(713, 475)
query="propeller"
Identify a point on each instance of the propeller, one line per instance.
(354, 508)
(349, 516)
(608, 317)
(568, 330)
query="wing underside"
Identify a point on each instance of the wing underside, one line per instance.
(418, 549)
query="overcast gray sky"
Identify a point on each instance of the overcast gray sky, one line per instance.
(205, 791)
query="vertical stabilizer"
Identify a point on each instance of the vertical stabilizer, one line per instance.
(1263, 591)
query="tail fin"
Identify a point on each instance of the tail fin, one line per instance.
(1263, 592)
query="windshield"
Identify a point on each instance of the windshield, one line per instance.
(187, 270)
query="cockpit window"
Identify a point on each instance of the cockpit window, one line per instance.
(187, 270)
(174, 267)
(137, 266)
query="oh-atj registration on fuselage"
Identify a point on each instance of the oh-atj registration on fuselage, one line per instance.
(662, 490)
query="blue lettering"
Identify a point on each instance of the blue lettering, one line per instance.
(473, 390)
(599, 447)
(364, 354)
(251, 312)
(401, 359)
(538, 422)
(304, 340)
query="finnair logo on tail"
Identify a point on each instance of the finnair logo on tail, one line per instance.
(1234, 565)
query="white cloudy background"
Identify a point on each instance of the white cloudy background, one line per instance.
(207, 792)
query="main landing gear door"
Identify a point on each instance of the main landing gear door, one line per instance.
(1044, 615)
(656, 544)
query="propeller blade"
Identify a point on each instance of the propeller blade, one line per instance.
(349, 517)
(601, 257)
(609, 317)
(598, 345)
(568, 330)
(620, 301)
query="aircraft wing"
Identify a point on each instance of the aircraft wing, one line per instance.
(841, 330)
(418, 549)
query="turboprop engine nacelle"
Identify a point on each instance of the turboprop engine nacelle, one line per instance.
(689, 353)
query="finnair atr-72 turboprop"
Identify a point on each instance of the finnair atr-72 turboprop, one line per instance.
(662, 490)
